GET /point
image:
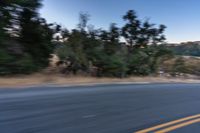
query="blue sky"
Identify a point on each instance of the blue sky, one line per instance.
(182, 17)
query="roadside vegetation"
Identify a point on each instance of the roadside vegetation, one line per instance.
(137, 48)
(182, 66)
(25, 37)
(101, 52)
(186, 49)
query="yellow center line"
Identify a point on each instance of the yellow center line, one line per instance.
(168, 124)
(178, 126)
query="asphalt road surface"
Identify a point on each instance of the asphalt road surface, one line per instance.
(101, 109)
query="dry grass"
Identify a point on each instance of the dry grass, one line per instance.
(39, 79)
(191, 65)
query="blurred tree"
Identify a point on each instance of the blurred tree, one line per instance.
(83, 21)
(111, 40)
(131, 29)
(138, 34)
(25, 38)
(88, 47)
(37, 41)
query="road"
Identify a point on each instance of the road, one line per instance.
(98, 109)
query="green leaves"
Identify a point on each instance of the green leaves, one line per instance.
(90, 48)
(84, 49)
(140, 34)
(20, 24)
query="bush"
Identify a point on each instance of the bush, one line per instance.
(113, 66)
(11, 64)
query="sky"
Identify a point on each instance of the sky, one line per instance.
(182, 17)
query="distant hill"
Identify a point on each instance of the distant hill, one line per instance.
(186, 49)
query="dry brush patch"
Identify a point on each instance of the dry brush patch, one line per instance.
(41, 79)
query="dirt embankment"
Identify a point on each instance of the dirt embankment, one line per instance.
(50, 79)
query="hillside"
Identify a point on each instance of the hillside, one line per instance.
(187, 49)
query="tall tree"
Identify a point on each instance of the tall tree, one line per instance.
(27, 43)
(110, 39)
(36, 41)
(140, 34)
(131, 29)
(83, 21)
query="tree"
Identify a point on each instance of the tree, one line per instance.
(112, 60)
(131, 29)
(110, 39)
(88, 47)
(79, 43)
(37, 41)
(26, 38)
(142, 39)
(140, 34)
(83, 20)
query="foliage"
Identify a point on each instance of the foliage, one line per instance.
(179, 66)
(186, 49)
(87, 48)
(25, 38)
(140, 34)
